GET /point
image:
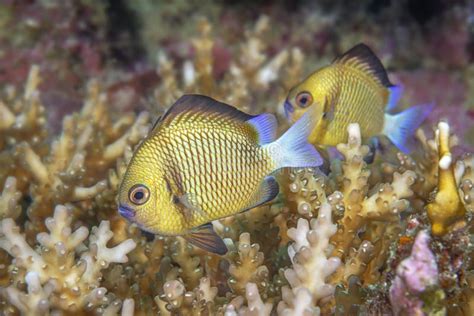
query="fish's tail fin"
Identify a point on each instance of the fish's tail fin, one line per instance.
(401, 126)
(292, 148)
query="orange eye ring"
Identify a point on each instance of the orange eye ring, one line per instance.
(304, 99)
(139, 194)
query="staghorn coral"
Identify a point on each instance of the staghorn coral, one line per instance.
(330, 243)
(311, 266)
(197, 302)
(359, 209)
(299, 302)
(9, 199)
(350, 300)
(75, 166)
(253, 71)
(467, 181)
(247, 266)
(23, 121)
(58, 278)
(255, 305)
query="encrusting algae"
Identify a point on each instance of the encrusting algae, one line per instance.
(335, 243)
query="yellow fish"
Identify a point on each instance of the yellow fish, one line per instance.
(205, 160)
(354, 89)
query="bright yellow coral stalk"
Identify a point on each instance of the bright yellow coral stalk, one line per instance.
(447, 207)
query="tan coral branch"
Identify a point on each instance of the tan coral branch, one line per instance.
(447, 207)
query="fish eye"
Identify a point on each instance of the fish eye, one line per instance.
(304, 99)
(139, 194)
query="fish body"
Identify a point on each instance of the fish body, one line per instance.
(205, 160)
(354, 89)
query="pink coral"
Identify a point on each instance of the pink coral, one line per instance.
(415, 275)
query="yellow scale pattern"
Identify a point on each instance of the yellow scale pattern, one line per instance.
(216, 163)
(361, 100)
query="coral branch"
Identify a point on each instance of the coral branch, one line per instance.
(36, 301)
(447, 207)
(247, 266)
(75, 281)
(9, 199)
(311, 267)
(299, 302)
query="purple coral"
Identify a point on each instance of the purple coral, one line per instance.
(414, 276)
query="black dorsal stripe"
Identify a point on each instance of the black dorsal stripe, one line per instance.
(365, 56)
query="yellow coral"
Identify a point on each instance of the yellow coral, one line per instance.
(9, 199)
(247, 266)
(447, 208)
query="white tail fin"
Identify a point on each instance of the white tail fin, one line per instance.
(292, 148)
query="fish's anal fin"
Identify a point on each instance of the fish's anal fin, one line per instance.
(265, 126)
(268, 190)
(206, 238)
(363, 58)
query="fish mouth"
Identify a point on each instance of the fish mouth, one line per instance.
(126, 212)
(288, 108)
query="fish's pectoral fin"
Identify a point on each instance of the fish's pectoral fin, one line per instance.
(361, 57)
(206, 238)
(188, 206)
(329, 109)
(268, 191)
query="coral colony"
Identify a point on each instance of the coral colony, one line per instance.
(388, 237)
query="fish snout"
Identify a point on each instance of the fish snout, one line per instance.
(126, 212)
(288, 108)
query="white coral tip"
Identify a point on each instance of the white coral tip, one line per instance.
(33, 280)
(443, 128)
(445, 162)
(128, 307)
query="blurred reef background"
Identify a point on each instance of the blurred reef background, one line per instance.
(82, 81)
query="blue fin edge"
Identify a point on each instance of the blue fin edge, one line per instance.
(401, 126)
(266, 127)
(395, 94)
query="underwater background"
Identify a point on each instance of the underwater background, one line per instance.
(81, 83)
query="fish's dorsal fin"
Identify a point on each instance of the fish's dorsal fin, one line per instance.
(194, 106)
(361, 57)
(191, 105)
(206, 238)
